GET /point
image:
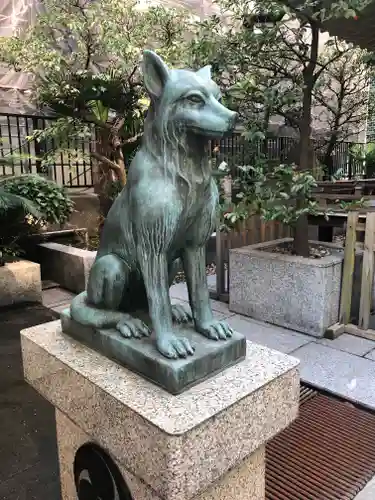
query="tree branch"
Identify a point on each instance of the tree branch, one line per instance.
(111, 164)
(323, 67)
(92, 119)
(133, 139)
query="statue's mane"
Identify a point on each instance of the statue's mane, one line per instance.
(170, 143)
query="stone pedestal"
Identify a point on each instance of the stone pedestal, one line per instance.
(204, 444)
(20, 282)
(68, 266)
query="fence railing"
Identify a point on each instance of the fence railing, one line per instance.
(236, 150)
(73, 170)
(22, 156)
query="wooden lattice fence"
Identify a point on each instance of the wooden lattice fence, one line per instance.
(355, 227)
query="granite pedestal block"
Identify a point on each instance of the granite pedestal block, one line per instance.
(20, 282)
(68, 266)
(299, 293)
(204, 444)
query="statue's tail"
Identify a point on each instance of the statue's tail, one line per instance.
(86, 314)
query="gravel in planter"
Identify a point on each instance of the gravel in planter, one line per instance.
(316, 251)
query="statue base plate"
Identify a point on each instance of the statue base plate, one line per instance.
(141, 356)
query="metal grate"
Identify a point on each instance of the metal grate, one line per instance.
(328, 453)
(306, 393)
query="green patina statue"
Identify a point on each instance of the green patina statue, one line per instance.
(166, 212)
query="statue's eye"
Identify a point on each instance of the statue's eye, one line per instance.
(195, 98)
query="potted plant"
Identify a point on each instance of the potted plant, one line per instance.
(271, 281)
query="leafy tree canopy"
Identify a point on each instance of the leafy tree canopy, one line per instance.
(84, 57)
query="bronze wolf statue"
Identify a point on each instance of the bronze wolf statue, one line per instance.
(167, 211)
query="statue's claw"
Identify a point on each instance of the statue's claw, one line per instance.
(133, 327)
(181, 314)
(215, 330)
(173, 347)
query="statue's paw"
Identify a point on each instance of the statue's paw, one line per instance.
(133, 327)
(181, 314)
(215, 330)
(174, 347)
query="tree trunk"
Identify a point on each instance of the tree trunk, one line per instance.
(306, 159)
(335, 130)
(106, 170)
(327, 160)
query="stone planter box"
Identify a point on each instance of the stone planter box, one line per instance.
(298, 293)
(68, 266)
(293, 292)
(20, 282)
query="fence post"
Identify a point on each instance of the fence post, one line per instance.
(220, 272)
(350, 167)
(39, 147)
(367, 273)
(348, 269)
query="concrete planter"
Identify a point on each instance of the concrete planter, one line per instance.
(68, 266)
(20, 282)
(293, 292)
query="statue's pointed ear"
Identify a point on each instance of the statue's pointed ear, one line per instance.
(155, 73)
(205, 72)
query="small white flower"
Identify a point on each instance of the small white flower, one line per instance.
(223, 166)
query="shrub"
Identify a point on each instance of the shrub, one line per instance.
(27, 204)
(275, 191)
(50, 199)
(12, 210)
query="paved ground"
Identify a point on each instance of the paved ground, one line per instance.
(345, 366)
(368, 493)
(28, 451)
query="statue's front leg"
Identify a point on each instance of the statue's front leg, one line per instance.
(195, 271)
(155, 274)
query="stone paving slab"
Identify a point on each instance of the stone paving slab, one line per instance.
(368, 492)
(338, 372)
(276, 338)
(36, 484)
(56, 296)
(350, 343)
(371, 355)
(179, 291)
(60, 308)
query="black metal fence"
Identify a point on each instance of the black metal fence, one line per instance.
(19, 155)
(236, 150)
(76, 170)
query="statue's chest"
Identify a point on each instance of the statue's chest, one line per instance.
(194, 198)
(197, 216)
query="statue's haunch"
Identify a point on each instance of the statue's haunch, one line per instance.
(166, 212)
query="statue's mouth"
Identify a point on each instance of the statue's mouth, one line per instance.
(207, 132)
